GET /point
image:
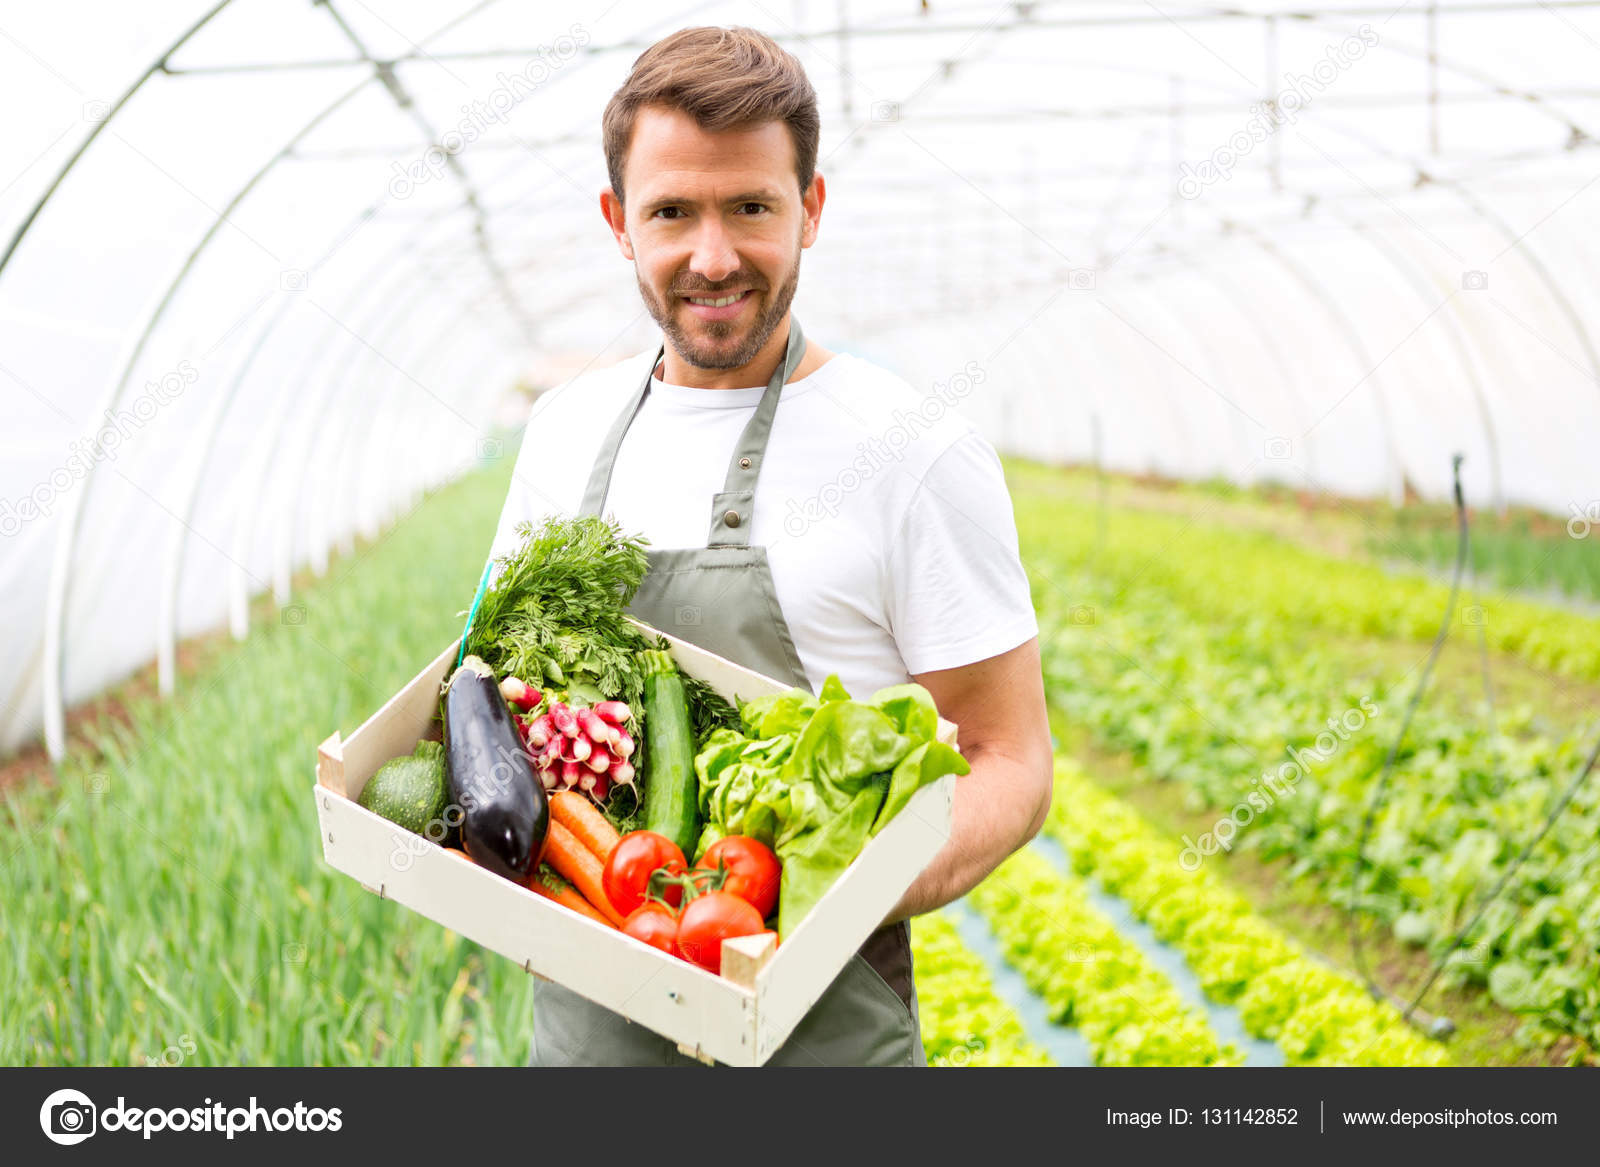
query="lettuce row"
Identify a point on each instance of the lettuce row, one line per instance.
(1318, 1016)
(1090, 976)
(1229, 575)
(964, 1022)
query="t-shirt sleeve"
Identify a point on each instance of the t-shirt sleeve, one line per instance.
(957, 591)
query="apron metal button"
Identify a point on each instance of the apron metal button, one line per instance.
(731, 518)
(744, 463)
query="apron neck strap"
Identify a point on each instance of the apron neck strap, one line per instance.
(732, 507)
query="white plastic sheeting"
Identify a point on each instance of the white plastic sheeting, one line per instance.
(250, 307)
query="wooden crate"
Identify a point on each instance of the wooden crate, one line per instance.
(739, 1018)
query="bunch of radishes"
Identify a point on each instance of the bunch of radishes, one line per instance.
(574, 746)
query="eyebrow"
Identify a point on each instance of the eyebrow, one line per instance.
(753, 196)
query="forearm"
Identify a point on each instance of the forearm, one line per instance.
(998, 807)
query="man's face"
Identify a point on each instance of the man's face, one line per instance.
(715, 223)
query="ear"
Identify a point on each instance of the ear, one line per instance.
(611, 210)
(811, 204)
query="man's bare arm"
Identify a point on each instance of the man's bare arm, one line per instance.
(998, 705)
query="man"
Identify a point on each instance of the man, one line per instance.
(824, 554)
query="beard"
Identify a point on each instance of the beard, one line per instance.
(709, 349)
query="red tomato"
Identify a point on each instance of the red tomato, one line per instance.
(628, 868)
(754, 873)
(708, 921)
(654, 924)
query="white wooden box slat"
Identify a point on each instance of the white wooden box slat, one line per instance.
(709, 1014)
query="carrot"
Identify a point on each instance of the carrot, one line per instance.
(575, 812)
(580, 866)
(568, 898)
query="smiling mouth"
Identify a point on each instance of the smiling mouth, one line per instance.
(719, 301)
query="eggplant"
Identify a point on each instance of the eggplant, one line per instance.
(505, 815)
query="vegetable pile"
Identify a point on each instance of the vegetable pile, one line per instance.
(564, 702)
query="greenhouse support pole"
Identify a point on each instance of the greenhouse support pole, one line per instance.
(53, 692)
(1394, 471)
(365, 392)
(1403, 263)
(194, 472)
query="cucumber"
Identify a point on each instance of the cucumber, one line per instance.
(409, 791)
(671, 790)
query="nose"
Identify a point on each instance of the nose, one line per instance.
(714, 258)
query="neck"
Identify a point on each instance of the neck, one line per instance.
(756, 371)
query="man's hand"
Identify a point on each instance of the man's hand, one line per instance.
(998, 705)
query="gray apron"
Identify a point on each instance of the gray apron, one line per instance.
(721, 598)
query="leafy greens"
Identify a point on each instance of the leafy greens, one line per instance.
(815, 777)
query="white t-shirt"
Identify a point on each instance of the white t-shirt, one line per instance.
(890, 536)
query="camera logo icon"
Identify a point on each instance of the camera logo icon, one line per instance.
(67, 1117)
(1474, 281)
(687, 616)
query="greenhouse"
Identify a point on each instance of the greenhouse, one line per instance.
(1277, 325)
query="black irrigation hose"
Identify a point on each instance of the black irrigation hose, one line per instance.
(1500, 886)
(1443, 1025)
(1358, 954)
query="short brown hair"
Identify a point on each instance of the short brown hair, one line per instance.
(724, 78)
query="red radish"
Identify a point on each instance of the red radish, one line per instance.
(622, 774)
(598, 731)
(570, 773)
(616, 712)
(550, 753)
(581, 749)
(623, 747)
(547, 775)
(519, 693)
(599, 761)
(540, 731)
(561, 716)
(597, 785)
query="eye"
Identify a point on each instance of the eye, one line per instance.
(661, 211)
(759, 207)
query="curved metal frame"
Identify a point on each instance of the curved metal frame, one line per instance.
(382, 71)
(56, 598)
